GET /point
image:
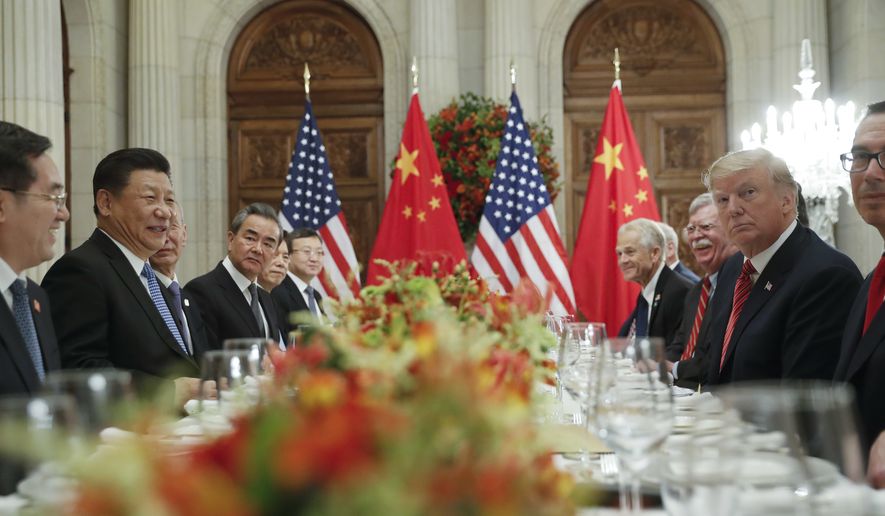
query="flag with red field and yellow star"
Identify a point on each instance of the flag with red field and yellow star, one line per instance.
(619, 191)
(418, 223)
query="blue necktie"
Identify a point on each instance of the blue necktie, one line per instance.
(311, 300)
(24, 319)
(160, 303)
(641, 316)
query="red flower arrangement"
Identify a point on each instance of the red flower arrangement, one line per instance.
(467, 136)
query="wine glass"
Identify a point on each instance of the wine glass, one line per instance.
(804, 454)
(578, 347)
(228, 387)
(34, 429)
(256, 348)
(633, 405)
(103, 397)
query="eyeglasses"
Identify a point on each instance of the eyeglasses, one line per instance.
(858, 161)
(310, 253)
(58, 199)
(691, 228)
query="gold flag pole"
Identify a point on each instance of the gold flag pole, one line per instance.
(617, 63)
(306, 81)
(414, 75)
(512, 76)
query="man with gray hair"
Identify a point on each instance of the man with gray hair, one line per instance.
(230, 301)
(671, 253)
(658, 311)
(784, 297)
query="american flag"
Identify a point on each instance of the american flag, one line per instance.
(310, 200)
(518, 235)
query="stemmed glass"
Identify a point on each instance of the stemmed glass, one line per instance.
(803, 451)
(258, 350)
(228, 387)
(578, 347)
(633, 405)
(102, 396)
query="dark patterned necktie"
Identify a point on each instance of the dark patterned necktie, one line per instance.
(641, 316)
(256, 309)
(24, 319)
(311, 301)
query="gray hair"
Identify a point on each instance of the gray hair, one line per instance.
(740, 161)
(650, 234)
(256, 208)
(705, 199)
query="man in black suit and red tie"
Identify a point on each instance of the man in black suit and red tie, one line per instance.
(231, 302)
(658, 311)
(108, 307)
(710, 247)
(783, 299)
(32, 209)
(863, 343)
(295, 294)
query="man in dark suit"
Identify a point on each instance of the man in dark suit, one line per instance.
(295, 292)
(107, 304)
(658, 310)
(32, 210)
(671, 253)
(184, 309)
(230, 300)
(862, 361)
(784, 298)
(710, 247)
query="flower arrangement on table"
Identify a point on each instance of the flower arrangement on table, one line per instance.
(418, 403)
(467, 134)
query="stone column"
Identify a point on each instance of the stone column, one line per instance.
(433, 39)
(510, 35)
(154, 110)
(795, 20)
(31, 81)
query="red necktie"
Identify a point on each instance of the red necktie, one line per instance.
(877, 293)
(741, 293)
(698, 319)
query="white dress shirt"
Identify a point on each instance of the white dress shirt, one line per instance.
(243, 284)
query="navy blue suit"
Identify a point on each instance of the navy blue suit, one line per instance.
(686, 273)
(791, 324)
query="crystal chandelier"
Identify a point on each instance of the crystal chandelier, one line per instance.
(810, 139)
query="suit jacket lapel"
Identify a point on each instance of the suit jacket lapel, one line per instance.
(861, 346)
(15, 345)
(45, 333)
(235, 297)
(656, 299)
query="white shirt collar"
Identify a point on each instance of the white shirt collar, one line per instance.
(648, 292)
(760, 261)
(241, 281)
(298, 281)
(7, 275)
(166, 280)
(136, 262)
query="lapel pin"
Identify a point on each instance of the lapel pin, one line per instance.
(768, 286)
(187, 303)
(37, 306)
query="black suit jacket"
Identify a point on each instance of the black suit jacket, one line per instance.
(692, 372)
(224, 310)
(792, 322)
(862, 363)
(686, 273)
(104, 316)
(666, 308)
(289, 300)
(17, 372)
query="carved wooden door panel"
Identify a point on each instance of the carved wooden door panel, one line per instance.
(673, 76)
(266, 102)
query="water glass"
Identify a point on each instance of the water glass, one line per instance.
(103, 397)
(229, 386)
(257, 349)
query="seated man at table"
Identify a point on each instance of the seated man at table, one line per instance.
(658, 311)
(710, 247)
(295, 294)
(783, 299)
(108, 307)
(671, 253)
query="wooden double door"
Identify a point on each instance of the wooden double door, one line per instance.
(266, 100)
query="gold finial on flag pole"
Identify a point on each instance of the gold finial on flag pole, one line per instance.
(414, 75)
(512, 75)
(617, 63)
(306, 80)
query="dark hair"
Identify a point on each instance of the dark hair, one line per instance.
(297, 233)
(256, 208)
(113, 172)
(17, 147)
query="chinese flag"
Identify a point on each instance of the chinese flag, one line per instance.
(619, 190)
(418, 223)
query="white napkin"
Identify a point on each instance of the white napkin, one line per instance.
(114, 435)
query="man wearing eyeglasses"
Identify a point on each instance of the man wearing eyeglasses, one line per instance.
(32, 209)
(232, 304)
(710, 248)
(863, 342)
(295, 294)
(784, 297)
